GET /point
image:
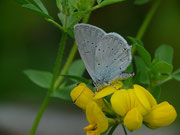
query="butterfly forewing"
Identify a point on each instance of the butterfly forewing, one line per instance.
(87, 37)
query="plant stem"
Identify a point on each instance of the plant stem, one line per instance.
(113, 128)
(66, 66)
(125, 132)
(55, 75)
(56, 24)
(70, 58)
(148, 19)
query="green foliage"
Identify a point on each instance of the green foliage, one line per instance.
(77, 79)
(156, 92)
(153, 73)
(162, 67)
(176, 75)
(144, 54)
(108, 2)
(142, 75)
(36, 6)
(84, 4)
(99, 1)
(164, 53)
(63, 93)
(77, 68)
(135, 41)
(141, 2)
(41, 78)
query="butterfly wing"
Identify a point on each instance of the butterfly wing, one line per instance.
(113, 55)
(87, 38)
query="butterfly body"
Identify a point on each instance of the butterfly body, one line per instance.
(105, 55)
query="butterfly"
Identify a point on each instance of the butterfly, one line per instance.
(105, 55)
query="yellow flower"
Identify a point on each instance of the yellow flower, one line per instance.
(162, 114)
(133, 119)
(82, 95)
(125, 103)
(146, 100)
(108, 89)
(132, 104)
(120, 102)
(96, 118)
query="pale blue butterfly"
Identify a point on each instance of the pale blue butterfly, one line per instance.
(105, 55)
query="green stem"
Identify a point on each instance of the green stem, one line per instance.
(56, 24)
(55, 75)
(148, 19)
(113, 128)
(125, 132)
(167, 79)
(70, 58)
(66, 66)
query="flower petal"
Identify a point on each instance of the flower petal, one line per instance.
(95, 116)
(162, 114)
(133, 119)
(145, 105)
(81, 95)
(108, 90)
(120, 102)
(105, 92)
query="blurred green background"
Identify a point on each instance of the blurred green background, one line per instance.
(27, 41)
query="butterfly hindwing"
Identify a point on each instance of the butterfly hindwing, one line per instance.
(112, 56)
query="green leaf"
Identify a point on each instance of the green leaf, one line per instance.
(41, 6)
(176, 75)
(71, 20)
(23, 1)
(177, 72)
(36, 10)
(70, 32)
(41, 78)
(144, 54)
(77, 79)
(84, 4)
(141, 2)
(73, 3)
(77, 68)
(80, 13)
(63, 93)
(161, 77)
(59, 5)
(108, 2)
(61, 17)
(99, 1)
(164, 53)
(156, 92)
(142, 75)
(162, 67)
(127, 82)
(135, 41)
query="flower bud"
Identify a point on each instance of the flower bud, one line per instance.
(162, 114)
(81, 95)
(133, 119)
(84, 4)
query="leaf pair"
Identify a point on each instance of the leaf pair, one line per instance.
(35, 6)
(43, 79)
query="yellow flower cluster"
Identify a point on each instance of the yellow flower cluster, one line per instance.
(132, 106)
